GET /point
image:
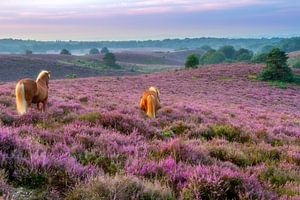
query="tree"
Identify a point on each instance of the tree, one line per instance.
(212, 57)
(28, 52)
(65, 52)
(192, 61)
(243, 54)
(110, 59)
(94, 51)
(104, 50)
(267, 48)
(206, 48)
(276, 67)
(228, 51)
(259, 58)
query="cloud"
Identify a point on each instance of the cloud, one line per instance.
(58, 9)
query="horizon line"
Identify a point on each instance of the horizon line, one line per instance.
(156, 39)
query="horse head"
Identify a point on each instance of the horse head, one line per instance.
(44, 76)
(156, 90)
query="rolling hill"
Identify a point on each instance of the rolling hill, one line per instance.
(220, 134)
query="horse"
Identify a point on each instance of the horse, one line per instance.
(150, 102)
(30, 91)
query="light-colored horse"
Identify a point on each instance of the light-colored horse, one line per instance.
(30, 91)
(150, 101)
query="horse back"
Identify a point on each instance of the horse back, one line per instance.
(30, 88)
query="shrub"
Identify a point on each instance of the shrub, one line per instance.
(229, 132)
(94, 51)
(65, 52)
(109, 164)
(90, 117)
(229, 154)
(121, 188)
(192, 61)
(279, 177)
(276, 67)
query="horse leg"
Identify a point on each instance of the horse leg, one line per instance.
(45, 106)
(38, 105)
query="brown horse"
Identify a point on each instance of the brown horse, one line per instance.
(30, 91)
(150, 101)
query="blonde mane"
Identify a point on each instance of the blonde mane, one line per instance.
(154, 89)
(41, 74)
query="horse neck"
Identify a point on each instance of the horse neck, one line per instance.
(41, 82)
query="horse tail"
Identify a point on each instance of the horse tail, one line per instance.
(20, 98)
(151, 112)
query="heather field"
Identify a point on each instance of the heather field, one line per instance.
(220, 134)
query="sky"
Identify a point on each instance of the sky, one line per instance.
(147, 19)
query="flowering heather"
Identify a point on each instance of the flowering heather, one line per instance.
(220, 134)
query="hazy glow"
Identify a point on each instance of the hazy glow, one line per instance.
(142, 19)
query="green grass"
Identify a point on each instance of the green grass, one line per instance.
(278, 84)
(96, 64)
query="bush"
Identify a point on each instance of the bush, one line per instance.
(192, 61)
(277, 68)
(65, 52)
(229, 132)
(279, 177)
(121, 188)
(94, 51)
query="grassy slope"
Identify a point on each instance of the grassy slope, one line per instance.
(215, 122)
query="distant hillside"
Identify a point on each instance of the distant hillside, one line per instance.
(19, 46)
(14, 67)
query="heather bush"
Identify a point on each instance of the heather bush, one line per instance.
(108, 164)
(279, 176)
(229, 132)
(179, 127)
(6, 119)
(90, 117)
(229, 154)
(185, 151)
(121, 188)
(216, 183)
